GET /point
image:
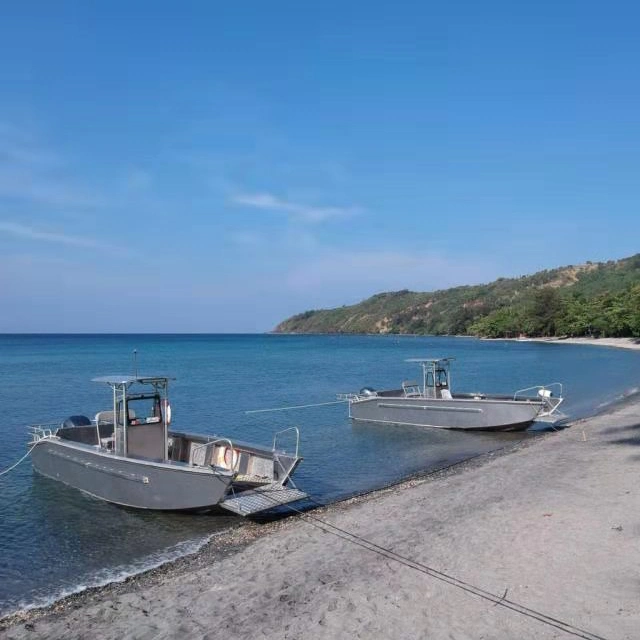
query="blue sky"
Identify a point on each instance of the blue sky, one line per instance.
(209, 166)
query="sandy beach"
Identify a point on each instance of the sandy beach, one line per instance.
(619, 343)
(547, 530)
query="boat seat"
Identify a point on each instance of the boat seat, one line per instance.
(104, 417)
(108, 443)
(411, 389)
(445, 394)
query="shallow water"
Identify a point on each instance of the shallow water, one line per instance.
(56, 540)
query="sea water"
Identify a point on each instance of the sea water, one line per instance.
(55, 540)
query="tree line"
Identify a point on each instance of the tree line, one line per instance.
(561, 312)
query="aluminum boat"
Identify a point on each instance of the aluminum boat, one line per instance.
(433, 404)
(128, 456)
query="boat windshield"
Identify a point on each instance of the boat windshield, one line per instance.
(142, 409)
(439, 379)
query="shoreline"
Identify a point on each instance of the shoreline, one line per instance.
(246, 531)
(449, 497)
(617, 343)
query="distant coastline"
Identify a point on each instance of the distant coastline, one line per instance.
(592, 299)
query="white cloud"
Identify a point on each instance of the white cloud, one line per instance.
(297, 211)
(29, 233)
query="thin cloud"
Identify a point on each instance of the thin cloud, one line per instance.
(29, 233)
(298, 211)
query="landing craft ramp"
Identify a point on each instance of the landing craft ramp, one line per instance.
(256, 500)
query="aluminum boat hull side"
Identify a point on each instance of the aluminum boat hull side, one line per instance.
(134, 483)
(464, 414)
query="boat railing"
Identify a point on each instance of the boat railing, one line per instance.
(288, 469)
(43, 431)
(552, 387)
(550, 394)
(347, 397)
(364, 394)
(277, 435)
(411, 389)
(106, 443)
(212, 443)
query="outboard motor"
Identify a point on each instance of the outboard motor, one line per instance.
(76, 421)
(368, 392)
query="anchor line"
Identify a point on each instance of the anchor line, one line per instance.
(24, 457)
(300, 406)
(497, 600)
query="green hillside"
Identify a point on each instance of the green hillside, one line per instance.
(601, 299)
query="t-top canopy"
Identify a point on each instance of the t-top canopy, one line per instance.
(126, 380)
(429, 360)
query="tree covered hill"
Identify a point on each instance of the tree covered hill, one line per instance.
(601, 299)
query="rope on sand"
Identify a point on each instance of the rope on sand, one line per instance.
(497, 600)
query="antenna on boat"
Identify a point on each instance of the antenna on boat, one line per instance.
(135, 362)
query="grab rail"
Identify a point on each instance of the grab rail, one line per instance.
(540, 387)
(279, 433)
(286, 472)
(204, 445)
(545, 395)
(43, 431)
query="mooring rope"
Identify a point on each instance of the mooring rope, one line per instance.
(497, 600)
(500, 600)
(24, 457)
(300, 406)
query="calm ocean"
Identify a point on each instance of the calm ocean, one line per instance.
(56, 540)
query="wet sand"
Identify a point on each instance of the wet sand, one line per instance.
(551, 524)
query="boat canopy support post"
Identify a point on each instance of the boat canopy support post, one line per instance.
(164, 414)
(120, 436)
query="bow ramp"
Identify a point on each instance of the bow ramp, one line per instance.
(261, 499)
